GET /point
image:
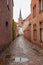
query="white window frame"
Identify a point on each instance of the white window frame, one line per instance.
(41, 4)
(7, 2)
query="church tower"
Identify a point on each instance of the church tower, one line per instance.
(20, 20)
(20, 16)
(20, 23)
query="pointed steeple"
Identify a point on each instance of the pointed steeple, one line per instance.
(20, 16)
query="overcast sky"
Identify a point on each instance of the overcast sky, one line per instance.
(24, 5)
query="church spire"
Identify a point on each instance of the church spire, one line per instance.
(20, 16)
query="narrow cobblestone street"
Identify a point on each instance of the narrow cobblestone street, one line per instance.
(22, 52)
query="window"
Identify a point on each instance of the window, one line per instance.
(41, 31)
(7, 2)
(6, 24)
(34, 11)
(41, 4)
(12, 3)
(34, 26)
(34, 32)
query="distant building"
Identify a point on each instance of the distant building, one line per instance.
(20, 23)
(6, 15)
(20, 20)
(27, 27)
(26, 22)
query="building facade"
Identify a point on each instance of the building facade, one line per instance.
(6, 15)
(37, 22)
(34, 31)
(20, 20)
(20, 23)
(27, 28)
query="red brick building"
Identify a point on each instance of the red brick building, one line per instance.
(37, 22)
(6, 14)
(36, 25)
(27, 31)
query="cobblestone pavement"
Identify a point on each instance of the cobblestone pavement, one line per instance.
(22, 52)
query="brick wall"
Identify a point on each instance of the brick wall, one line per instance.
(27, 31)
(32, 32)
(36, 20)
(5, 22)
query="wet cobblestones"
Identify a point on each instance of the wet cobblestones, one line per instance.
(22, 49)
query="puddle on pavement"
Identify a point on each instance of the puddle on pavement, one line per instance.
(16, 59)
(20, 59)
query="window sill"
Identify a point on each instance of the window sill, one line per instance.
(41, 11)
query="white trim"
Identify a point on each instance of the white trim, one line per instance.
(7, 2)
(41, 4)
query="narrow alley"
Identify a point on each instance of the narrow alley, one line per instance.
(22, 52)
